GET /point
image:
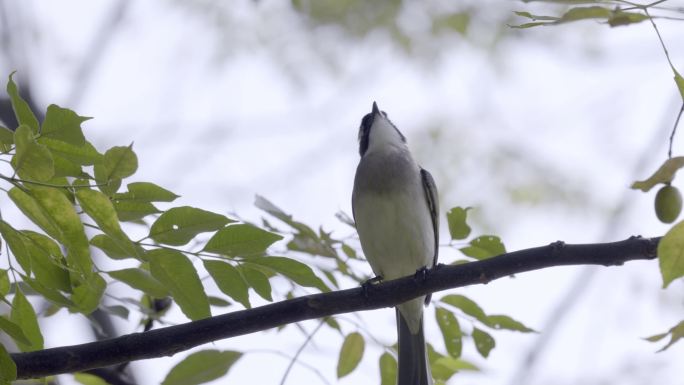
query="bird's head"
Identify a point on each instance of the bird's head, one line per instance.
(377, 132)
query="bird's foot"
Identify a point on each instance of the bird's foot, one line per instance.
(367, 284)
(421, 274)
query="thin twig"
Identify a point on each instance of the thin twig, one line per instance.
(299, 351)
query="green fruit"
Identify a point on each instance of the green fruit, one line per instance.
(668, 204)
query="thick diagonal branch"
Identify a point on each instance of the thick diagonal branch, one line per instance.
(173, 339)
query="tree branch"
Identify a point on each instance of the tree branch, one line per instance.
(173, 339)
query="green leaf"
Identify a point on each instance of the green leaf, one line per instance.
(664, 174)
(446, 366)
(582, 13)
(89, 379)
(142, 280)
(87, 295)
(24, 315)
(451, 331)
(618, 18)
(265, 205)
(21, 108)
(535, 17)
(201, 367)
(32, 160)
(671, 254)
(63, 124)
(458, 228)
(65, 167)
(8, 369)
(298, 272)
(6, 136)
(100, 209)
(119, 162)
(179, 225)
(388, 369)
(134, 210)
(84, 155)
(351, 354)
(530, 25)
(116, 310)
(28, 205)
(484, 343)
(4, 283)
(505, 322)
(218, 302)
(676, 333)
(466, 305)
(13, 330)
(229, 281)
(240, 240)
(47, 261)
(679, 80)
(146, 192)
(175, 271)
(257, 281)
(62, 213)
(16, 244)
(483, 247)
(115, 249)
(50, 294)
(457, 21)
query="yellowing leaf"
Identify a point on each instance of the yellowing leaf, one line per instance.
(62, 213)
(665, 173)
(201, 367)
(32, 160)
(100, 209)
(671, 254)
(351, 354)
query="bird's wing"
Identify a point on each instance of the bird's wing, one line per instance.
(433, 204)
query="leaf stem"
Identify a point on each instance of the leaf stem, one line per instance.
(674, 131)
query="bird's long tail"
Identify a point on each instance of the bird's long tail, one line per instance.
(413, 367)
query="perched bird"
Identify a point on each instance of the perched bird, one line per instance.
(395, 208)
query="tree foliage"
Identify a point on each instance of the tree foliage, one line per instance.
(83, 206)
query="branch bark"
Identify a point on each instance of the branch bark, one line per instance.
(173, 339)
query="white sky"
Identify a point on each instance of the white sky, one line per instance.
(258, 105)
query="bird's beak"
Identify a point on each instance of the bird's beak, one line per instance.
(376, 110)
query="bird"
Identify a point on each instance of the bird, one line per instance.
(395, 208)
